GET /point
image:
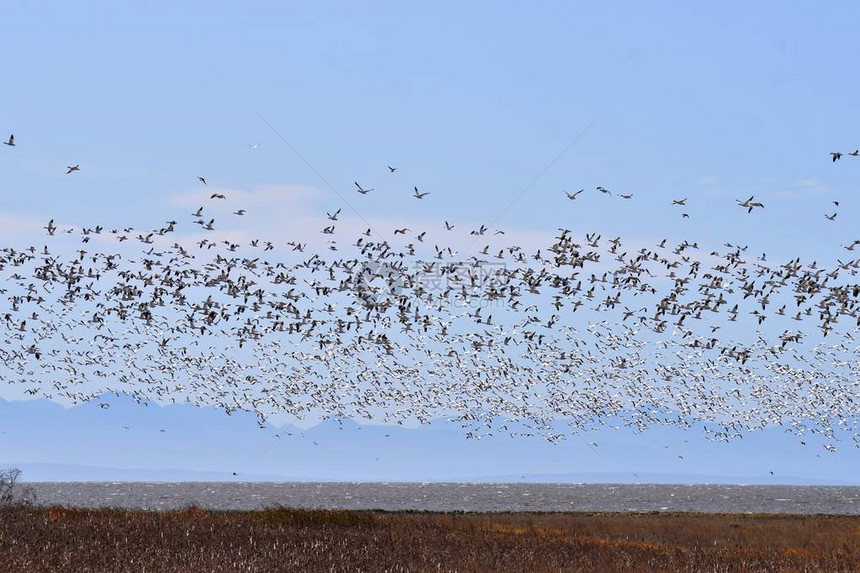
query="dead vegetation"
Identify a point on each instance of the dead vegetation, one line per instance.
(283, 539)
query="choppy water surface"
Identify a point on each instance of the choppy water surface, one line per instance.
(458, 496)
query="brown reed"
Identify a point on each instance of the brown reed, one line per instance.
(284, 539)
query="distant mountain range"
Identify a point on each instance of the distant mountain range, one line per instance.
(132, 442)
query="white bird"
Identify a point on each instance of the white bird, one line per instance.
(419, 195)
(253, 146)
(749, 205)
(573, 195)
(362, 190)
(11, 142)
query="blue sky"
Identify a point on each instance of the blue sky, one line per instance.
(471, 102)
(125, 443)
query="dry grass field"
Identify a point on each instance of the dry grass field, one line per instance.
(282, 539)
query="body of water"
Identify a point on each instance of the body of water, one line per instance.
(457, 496)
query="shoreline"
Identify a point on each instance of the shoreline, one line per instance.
(448, 497)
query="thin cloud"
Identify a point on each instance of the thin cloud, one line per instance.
(285, 196)
(15, 224)
(812, 187)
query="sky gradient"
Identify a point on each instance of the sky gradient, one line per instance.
(471, 103)
(495, 108)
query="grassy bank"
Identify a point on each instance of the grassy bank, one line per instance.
(281, 539)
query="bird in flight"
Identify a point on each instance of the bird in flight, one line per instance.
(202, 180)
(217, 196)
(627, 196)
(333, 216)
(836, 156)
(604, 190)
(448, 226)
(73, 168)
(253, 146)
(361, 189)
(419, 195)
(679, 201)
(392, 169)
(573, 195)
(11, 142)
(239, 212)
(854, 153)
(749, 205)
(831, 217)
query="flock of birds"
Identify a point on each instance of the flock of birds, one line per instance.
(583, 332)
